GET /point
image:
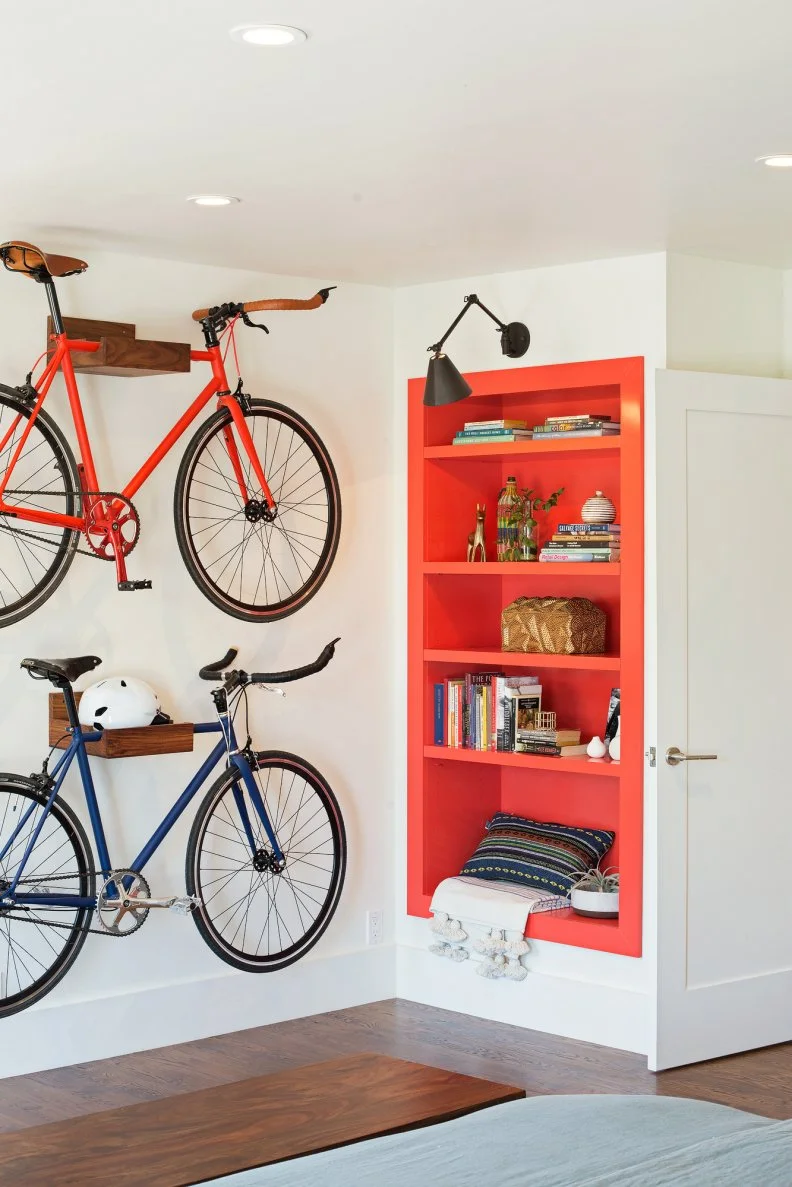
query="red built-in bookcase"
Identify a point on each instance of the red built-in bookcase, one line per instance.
(454, 627)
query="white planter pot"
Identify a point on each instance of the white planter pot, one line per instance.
(595, 903)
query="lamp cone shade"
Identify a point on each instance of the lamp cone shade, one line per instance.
(444, 384)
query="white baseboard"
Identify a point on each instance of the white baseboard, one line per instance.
(595, 1012)
(52, 1035)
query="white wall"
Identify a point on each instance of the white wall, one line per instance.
(334, 366)
(604, 309)
(787, 320)
(725, 317)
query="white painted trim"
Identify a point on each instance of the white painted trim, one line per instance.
(594, 1012)
(53, 1035)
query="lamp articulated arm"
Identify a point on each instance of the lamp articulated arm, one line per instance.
(515, 337)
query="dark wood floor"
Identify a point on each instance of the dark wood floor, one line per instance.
(759, 1081)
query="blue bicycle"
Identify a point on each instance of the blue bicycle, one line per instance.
(266, 856)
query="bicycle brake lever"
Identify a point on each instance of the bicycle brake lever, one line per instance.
(268, 688)
(254, 325)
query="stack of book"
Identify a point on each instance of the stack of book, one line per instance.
(580, 542)
(582, 424)
(493, 432)
(561, 743)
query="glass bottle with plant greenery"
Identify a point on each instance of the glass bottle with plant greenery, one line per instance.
(527, 548)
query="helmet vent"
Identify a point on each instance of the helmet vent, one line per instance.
(123, 683)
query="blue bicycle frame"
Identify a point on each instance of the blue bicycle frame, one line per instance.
(227, 748)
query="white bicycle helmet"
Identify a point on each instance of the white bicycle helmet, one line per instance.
(120, 702)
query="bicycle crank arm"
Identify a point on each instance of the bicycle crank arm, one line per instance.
(182, 906)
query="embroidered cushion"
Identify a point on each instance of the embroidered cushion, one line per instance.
(532, 853)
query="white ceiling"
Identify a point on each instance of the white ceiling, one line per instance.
(406, 140)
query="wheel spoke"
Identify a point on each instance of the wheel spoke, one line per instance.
(33, 557)
(250, 564)
(38, 942)
(257, 911)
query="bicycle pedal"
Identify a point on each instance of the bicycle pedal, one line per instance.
(185, 906)
(125, 586)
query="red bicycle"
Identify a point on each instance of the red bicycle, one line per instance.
(256, 505)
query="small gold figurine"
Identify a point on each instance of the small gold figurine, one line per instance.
(476, 539)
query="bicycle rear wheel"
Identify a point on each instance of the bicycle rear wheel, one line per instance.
(34, 558)
(39, 944)
(253, 915)
(250, 566)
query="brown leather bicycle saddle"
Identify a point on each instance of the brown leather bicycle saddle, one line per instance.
(28, 259)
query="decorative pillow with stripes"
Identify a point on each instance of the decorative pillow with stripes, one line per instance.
(531, 853)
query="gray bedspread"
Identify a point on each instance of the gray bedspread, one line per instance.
(560, 1141)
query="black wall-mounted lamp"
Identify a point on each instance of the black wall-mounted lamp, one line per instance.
(444, 384)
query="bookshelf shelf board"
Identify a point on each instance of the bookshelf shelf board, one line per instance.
(565, 927)
(601, 446)
(550, 570)
(560, 927)
(519, 659)
(601, 768)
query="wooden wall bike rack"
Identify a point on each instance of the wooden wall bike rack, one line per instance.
(121, 353)
(130, 743)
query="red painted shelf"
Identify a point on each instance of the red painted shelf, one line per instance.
(454, 627)
(608, 446)
(519, 659)
(523, 762)
(551, 570)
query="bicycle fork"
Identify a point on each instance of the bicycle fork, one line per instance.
(243, 761)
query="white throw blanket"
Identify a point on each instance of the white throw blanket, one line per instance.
(491, 904)
(501, 912)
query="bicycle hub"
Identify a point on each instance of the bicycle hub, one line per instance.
(257, 509)
(265, 861)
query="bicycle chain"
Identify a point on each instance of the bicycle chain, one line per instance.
(90, 931)
(101, 494)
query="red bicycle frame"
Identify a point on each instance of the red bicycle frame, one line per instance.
(104, 514)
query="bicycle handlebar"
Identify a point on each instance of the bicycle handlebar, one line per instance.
(234, 307)
(235, 679)
(296, 673)
(215, 671)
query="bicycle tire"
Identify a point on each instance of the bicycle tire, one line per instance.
(297, 544)
(63, 551)
(335, 868)
(18, 786)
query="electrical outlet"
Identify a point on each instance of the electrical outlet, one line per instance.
(374, 927)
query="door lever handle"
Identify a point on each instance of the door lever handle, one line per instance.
(674, 756)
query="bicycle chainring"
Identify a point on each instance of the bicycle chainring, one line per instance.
(110, 515)
(116, 913)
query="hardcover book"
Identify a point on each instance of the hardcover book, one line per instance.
(578, 416)
(577, 558)
(588, 529)
(477, 426)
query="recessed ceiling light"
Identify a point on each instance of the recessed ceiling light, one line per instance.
(213, 199)
(272, 36)
(777, 160)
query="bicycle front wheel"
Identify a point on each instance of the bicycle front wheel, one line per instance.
(254, 912)
(249, 565)
(34, 558)
(39, 944)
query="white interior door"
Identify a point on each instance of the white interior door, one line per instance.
(724, 585)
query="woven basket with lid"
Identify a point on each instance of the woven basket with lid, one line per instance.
(553, 626)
